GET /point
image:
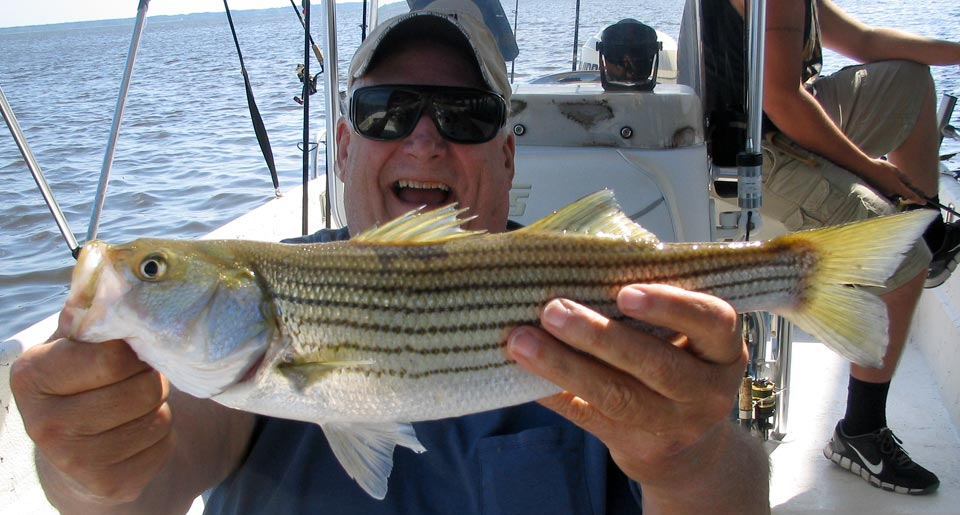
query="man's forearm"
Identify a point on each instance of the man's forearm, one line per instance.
(884, 44)
(798, 115)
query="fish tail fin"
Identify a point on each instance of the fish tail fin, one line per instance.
(835, 308)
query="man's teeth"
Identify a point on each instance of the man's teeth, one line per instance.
(423, 185)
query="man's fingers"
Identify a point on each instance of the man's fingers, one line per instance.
(118, 473)
(710, 325)
(599, 391)
(66, 367)
(665, 368)
(97, 411)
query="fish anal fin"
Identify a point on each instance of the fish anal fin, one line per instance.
(365, 450)
(598, 215)
(420, 228)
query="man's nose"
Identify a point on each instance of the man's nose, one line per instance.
(425, 140)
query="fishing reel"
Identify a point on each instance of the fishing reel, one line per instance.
(758, 406)
(308, 81)
(762, 400)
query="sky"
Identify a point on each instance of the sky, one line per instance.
(15, 13)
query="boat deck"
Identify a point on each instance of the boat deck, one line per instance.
(804, 482)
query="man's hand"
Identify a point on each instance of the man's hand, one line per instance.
(98, 416)
(658, 404)
(890, 181)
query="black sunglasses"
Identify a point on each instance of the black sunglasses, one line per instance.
(462, 115)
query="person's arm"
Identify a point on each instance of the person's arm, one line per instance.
(797, 113)
(660, 405)
(111, 436)
(848, 36)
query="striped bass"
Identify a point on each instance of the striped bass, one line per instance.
(408, 321)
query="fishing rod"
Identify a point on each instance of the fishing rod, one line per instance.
(316, 49)
(34, 167)
(513, 63)
(307, 85)
(363, 22)
(108, 154)
(258, 127)
(576, 37)
(932, 201)
(750, 160)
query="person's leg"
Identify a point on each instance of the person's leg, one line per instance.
(889, 109)
(917, 156)
(805, 191)
(879, 108)
(867, 390)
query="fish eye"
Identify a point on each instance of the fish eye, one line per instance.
(153, 267)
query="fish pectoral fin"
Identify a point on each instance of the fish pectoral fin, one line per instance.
(366, 450)
(598, 215)
(304, 374)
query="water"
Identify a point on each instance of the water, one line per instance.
(187, 160)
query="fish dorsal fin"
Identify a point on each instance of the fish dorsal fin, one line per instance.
(597, 214)
(366, 450)
(421, 227)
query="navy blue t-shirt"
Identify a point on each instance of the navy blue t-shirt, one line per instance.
(523, 460)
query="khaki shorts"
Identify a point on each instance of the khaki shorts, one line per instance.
(876, 105)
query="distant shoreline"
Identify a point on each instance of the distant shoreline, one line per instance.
(123, 22)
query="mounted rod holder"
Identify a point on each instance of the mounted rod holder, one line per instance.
(750, 161)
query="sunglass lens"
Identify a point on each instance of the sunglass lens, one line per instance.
(468, 117)
(385, 113)
(462, 115)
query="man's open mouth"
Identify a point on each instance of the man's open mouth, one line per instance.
(422, 193)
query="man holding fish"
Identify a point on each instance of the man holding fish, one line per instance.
(641, 423)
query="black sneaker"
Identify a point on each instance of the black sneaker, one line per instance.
(945, 258)
(879, 459)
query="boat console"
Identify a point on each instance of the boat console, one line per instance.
(574, 138)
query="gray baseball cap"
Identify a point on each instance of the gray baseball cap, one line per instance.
(461, 16)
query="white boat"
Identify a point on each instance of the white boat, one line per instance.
(648, 147)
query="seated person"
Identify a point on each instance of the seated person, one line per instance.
(823, 164)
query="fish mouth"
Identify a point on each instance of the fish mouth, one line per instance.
(91, 290)
(418, 194)
(86, 274)
(83, 288)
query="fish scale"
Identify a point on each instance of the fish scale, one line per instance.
(460, 294)
(408, 322)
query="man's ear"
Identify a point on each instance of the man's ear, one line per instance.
(343, 141)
